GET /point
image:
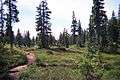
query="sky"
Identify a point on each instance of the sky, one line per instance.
(61, 16)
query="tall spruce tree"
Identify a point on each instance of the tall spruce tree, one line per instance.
(60, 41)
(12, 17)
(64, 39)
(79, 28)
(51, 40)
(83, 38)
(33, 42)
(38, 41)
(79, 37)
(118, 41)
(91, 35)
(43, 23)
(99, 21)
(27, 39)
(19, 39)
(92, 68)
(104, 33)
(119, 15)
(1, 21)
(113, 33)
(74, 28)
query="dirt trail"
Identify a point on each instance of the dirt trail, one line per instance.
(17, 71)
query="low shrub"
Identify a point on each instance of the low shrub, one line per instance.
(10, 59)
(113, 74)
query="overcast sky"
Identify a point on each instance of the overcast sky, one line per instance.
(61, 16)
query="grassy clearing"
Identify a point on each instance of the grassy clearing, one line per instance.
(65, 65)
(58, 65)
(50, 57)
(112, 70)
(51, 73)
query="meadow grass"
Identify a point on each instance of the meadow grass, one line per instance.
(65, 65)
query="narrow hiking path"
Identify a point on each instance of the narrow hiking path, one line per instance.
(30, 54)
(17, 71)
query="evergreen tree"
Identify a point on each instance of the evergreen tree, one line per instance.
(71, 40)
(33, 41)
(64, 39)
(119, 15)
(79, 28)
(60, 41)
(77, 32)
(113, 33)
(74, 28)
(19, 39)
(79, 38)
(12, 17)
(98, 24)
(1, 21)
(43, 23)
(118, 41)
(83, 38)
(92, 67)
(104, 33)
(38, 41)
(91, 34)
(51, 40)
(27, 39)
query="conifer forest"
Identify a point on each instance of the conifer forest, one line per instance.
(77, 53)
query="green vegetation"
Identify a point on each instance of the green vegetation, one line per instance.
(112, 67)
(58, 58)
(76, 56)
(10, 59)
(51, 73)
(66, 65)
(55, 65)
